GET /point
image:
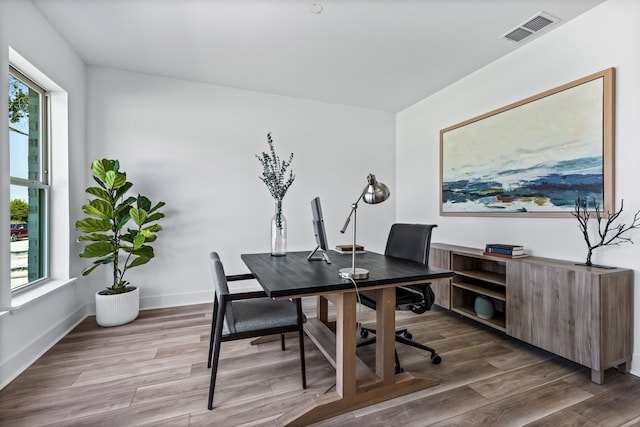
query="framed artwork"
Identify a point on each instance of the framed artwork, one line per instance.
(534, 157)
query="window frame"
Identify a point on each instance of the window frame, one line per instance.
(43, 184)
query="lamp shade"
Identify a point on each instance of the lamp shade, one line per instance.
(375, 192)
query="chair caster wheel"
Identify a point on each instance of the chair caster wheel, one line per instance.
(418, 308)
(364, 333)
(408, 335)
(436, 359)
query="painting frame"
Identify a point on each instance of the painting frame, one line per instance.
(574, 119)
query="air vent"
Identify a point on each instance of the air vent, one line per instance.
(537, 23)
(531, 26)
(518, 34)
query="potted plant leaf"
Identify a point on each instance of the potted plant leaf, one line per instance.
(119, 228)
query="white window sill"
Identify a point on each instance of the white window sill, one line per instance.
(26, 297)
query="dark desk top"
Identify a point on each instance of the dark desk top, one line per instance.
(293, 275)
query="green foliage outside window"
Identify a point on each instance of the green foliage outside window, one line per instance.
(18, 102)
(19, 210)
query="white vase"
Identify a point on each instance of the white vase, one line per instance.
(119, 309)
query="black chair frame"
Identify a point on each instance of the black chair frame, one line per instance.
(217, 337)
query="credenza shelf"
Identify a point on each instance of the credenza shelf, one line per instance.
(481, 290)
(485, 276)
(497, 322)
(584, 314)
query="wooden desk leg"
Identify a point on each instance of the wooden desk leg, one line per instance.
(385, 335)
(348, 396)
(346, 344)
(322, 309)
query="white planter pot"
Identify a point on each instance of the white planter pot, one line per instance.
(114, 310)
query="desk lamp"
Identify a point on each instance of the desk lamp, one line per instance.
(374, 192)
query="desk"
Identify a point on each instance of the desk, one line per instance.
(357, 386)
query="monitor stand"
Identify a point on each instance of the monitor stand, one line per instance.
(324, 256)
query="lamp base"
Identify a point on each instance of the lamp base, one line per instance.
(354, 273)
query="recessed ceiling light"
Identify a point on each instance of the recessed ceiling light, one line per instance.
(316, 8)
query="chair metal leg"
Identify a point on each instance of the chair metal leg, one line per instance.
(435, 358)
(282, 342)
(368, 341)
(402, 336)
(398, 367)
(364, 331)
(301, 343)
(217, 340)
(213, 327)
(415, 344)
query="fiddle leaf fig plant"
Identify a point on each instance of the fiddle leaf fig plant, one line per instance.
(118, 227)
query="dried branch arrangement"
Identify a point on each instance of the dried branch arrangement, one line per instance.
(274, 175)
(608, 232)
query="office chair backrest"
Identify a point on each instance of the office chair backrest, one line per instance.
(410, 242)
(221, 289)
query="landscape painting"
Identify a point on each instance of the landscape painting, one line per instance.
(535, 157)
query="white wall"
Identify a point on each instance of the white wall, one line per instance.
(193, 146)
(606, 36)
(28, 332)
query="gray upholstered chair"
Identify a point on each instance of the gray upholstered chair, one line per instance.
(248, 315)
(412, 243)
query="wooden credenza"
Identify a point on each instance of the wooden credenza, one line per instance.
(584, 314)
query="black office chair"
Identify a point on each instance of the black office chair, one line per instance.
(410, 242)
(248, 315)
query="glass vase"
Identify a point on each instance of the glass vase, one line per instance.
(278, 232)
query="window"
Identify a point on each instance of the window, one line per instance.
(29, 190)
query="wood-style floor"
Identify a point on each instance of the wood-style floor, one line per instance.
(154, 372)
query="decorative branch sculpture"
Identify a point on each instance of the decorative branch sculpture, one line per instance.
(608, 233)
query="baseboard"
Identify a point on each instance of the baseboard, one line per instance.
(164, 301)
(174, 300)
(635, 367)
(20, 361)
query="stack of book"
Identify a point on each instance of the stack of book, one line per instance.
(505, 251)
(347, 249)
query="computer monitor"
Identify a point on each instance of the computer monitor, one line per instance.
(319, 231)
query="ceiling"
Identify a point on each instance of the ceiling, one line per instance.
(379, 54)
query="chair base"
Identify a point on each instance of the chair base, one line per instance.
(402, 336)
